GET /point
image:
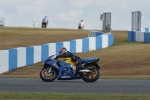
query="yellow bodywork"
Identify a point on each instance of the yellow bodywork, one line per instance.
(68, 60)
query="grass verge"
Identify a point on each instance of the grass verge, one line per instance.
(59, 96)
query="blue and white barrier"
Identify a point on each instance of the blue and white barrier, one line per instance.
(136, 36)
(26, 56)
(147, 29)
(147, 37)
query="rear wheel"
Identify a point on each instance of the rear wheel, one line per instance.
(91, 76)
(48, 76)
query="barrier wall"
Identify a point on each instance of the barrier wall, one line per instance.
(147, 37)
(136, 36)
(147, 29)
(26, 56)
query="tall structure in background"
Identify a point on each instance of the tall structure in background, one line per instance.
(106, 18)
(136, 20)
(2, 21)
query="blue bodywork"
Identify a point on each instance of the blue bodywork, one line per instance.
(87, 60)
(64, 69)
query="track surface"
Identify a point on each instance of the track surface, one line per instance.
(102, 86)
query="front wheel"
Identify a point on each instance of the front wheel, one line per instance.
(91, 76)
(48, 76)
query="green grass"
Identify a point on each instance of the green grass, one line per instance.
(59, 96)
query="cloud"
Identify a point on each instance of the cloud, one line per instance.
(81, 3)
(112, 4)
(70, 15)
(25, 6)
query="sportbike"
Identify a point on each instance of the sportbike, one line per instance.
(64, 69)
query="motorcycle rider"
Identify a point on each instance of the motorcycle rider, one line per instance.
(45, 21)
(63, 53)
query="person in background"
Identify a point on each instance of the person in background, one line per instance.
(81, 25)
(44, 22)
(34, 23)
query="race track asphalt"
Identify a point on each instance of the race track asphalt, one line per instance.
(102, 86)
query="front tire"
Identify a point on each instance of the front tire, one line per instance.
(48, 77)
(92, 76)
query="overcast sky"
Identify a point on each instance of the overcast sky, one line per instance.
(68, 13)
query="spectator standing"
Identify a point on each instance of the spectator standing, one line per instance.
(81, 25)
(34, 23)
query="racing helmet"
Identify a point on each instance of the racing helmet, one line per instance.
(62, 50)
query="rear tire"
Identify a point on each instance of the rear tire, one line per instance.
(91, 77)
(48, 77)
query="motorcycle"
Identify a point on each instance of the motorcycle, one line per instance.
(44, 25)
(64, 69)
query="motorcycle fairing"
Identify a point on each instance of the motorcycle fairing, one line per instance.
(64, 70)
(52, 63)
(89, 60)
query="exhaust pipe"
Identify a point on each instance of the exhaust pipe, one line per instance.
(84, 70)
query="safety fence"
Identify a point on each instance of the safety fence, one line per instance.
(26, 56)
